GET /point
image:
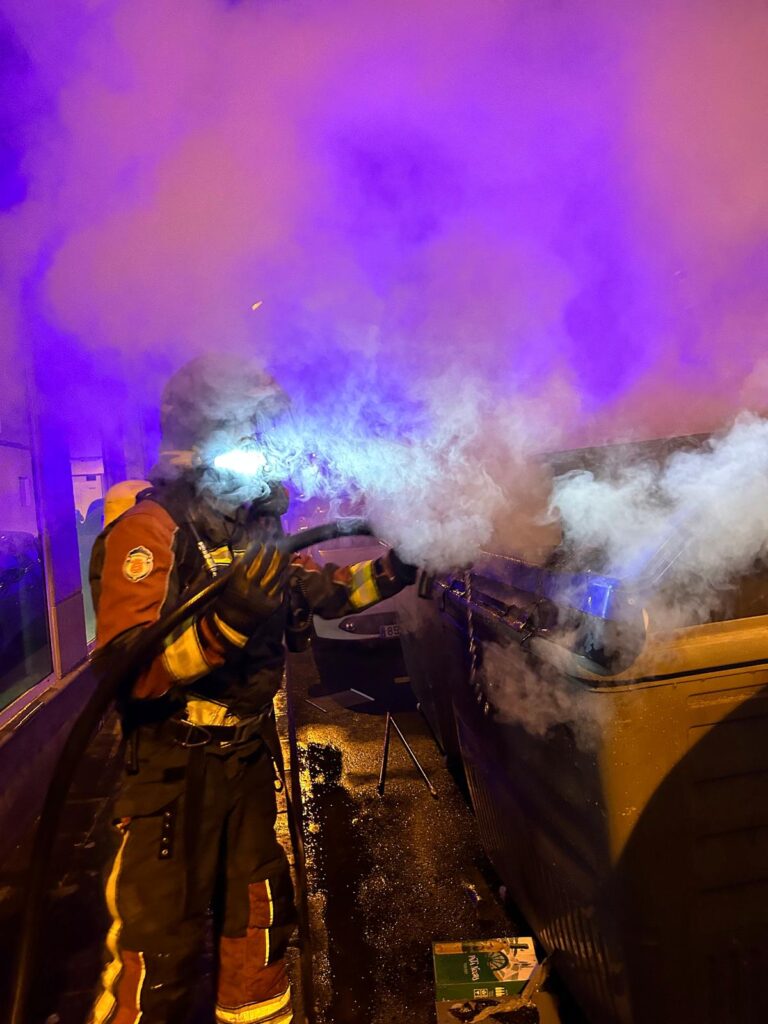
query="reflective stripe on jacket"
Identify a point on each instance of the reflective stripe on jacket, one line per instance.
(146, 562)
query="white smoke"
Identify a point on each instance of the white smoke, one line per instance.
(692, 523)
(438, 487)
(475, 205)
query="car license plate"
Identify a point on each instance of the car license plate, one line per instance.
(389, 631)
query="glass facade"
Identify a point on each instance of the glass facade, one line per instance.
(56, 463)
(25, 651)
(88, 488)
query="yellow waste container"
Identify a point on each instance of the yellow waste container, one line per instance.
(627, 813)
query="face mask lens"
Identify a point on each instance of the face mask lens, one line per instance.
(242, 461)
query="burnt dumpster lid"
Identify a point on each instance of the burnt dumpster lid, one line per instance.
(613, 455)
(542, 542)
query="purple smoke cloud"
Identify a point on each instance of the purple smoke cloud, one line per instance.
(564, 203)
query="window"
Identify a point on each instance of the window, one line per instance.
(25, 492)
(25, 653)
(88, 487)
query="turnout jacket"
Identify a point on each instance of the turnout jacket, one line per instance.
(169, 546)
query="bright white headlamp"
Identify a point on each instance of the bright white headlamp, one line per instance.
(243, 461)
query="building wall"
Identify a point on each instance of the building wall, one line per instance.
(49, 478)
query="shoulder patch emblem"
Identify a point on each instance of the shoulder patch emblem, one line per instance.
(138, 564)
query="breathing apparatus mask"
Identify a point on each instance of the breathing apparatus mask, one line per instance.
(238, 471)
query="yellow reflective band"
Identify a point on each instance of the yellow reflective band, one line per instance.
(140, 986)
(362, 589)
(221, 556)
(238, 639)
(254, 1013)
(271, 904)
(105, 1002)
(184, 658)
(209, 712)
(223, 1017)
(269, 575)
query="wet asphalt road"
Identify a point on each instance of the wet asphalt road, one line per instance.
(387, 875)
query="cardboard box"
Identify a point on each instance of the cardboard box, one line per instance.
(470, 976)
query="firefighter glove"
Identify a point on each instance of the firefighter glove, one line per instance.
(254, 592)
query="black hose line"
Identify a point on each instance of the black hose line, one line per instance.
(114, 666)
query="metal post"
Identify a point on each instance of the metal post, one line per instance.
(384, 756)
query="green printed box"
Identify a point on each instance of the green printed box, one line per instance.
(475, 974)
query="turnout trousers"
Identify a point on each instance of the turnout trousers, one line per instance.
(195, 828)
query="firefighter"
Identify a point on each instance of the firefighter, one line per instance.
(196, 809)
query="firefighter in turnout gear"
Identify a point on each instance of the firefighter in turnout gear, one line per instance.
(196, 809)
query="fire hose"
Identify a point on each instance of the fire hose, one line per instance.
(115, 666)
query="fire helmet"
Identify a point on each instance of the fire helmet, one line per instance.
(218, 396)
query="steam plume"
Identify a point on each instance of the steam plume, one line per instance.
(561, 206)
(686, 527)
